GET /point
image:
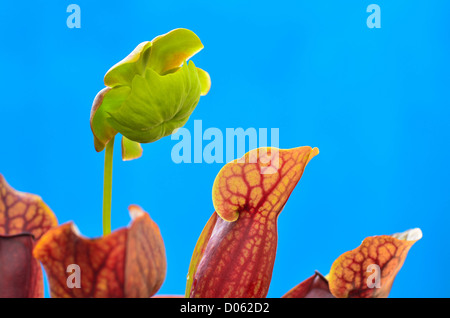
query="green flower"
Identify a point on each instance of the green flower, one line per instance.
(150, 93)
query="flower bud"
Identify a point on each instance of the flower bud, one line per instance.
(150, 93)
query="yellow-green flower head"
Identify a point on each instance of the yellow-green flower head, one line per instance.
(150, 93)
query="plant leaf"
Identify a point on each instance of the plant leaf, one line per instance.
(236, 257)
(314, 287)
(145, 266)
(352, 272)
(199, 250)
(23, 213)
(20, 272)
(129, 262)
(24, 218)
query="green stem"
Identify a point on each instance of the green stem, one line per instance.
(107, 187)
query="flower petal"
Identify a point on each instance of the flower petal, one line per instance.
(314, 287)
(20, 272)
(162, 54)
(106, 101)
(170, 50)
(129, 262)
(130, 149)
(248, 194)
(123, 72)
(205, 81)
(354, 273)
(203, 76)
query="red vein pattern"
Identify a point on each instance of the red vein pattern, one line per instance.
(24, 218)
(237, 257)
(23, 212)
(350, 275)
(129, 262)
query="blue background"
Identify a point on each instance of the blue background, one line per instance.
(375, 101)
